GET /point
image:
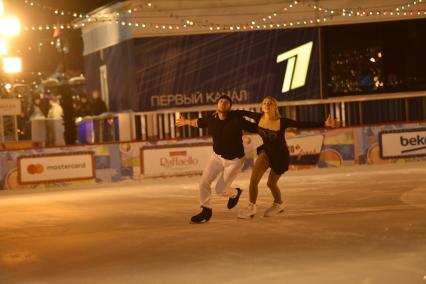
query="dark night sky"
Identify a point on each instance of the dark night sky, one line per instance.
(45, 58)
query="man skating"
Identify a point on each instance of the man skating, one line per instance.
(226, 128)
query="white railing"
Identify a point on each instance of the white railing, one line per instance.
(159, 125)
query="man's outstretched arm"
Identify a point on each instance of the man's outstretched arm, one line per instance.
(182, 122)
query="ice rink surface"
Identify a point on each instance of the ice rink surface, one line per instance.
(358, 225)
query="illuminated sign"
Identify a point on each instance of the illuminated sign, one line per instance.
(297, 66)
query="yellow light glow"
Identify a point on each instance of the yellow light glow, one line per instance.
(12, 65)
(9, 26)
(3, 47)
(1, 8)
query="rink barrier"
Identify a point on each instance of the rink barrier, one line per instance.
(314, 148)
(160, 125)
(349, 110)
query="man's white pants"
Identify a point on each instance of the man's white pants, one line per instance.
(228, 170)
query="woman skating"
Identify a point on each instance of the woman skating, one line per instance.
(272, 154)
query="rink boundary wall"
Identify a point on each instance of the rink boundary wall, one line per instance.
(120, 162)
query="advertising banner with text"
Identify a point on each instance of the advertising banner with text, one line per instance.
(55, 167)
(185, 71)
(174, 160)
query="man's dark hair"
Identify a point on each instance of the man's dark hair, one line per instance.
(226, 97)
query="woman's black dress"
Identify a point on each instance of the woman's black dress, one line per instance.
(274, 143)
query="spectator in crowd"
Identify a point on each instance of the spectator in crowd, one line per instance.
(54, 131)
(98, 105)
(84, 108)
(35, 111)
(55, 110)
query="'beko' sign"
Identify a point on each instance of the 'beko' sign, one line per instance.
(403, 143)
(56, 167)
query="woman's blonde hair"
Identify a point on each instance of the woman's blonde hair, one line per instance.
(274, 101)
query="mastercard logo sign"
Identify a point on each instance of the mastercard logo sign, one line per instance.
(34, 169)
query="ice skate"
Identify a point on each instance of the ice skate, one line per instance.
(275, 209)
(249, 212)
(233, 201)
(203, 216)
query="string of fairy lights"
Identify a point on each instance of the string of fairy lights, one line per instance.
(397, 10)
(128, 17)
(40, 43)
(48, 27)
(125, 18)
(53, 10)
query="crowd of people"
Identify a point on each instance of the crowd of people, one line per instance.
(82, 106)
(52, 104)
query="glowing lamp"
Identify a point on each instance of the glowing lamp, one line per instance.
(12, 65)
(9, 26)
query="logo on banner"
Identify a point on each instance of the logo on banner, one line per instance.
(418, 143)
(33, 169)
(297, 66)
(178, 159)
(403, 143)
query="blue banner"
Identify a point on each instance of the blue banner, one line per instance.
(185, 71)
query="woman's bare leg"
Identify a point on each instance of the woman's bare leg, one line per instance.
(272, 184)
(259, 168)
